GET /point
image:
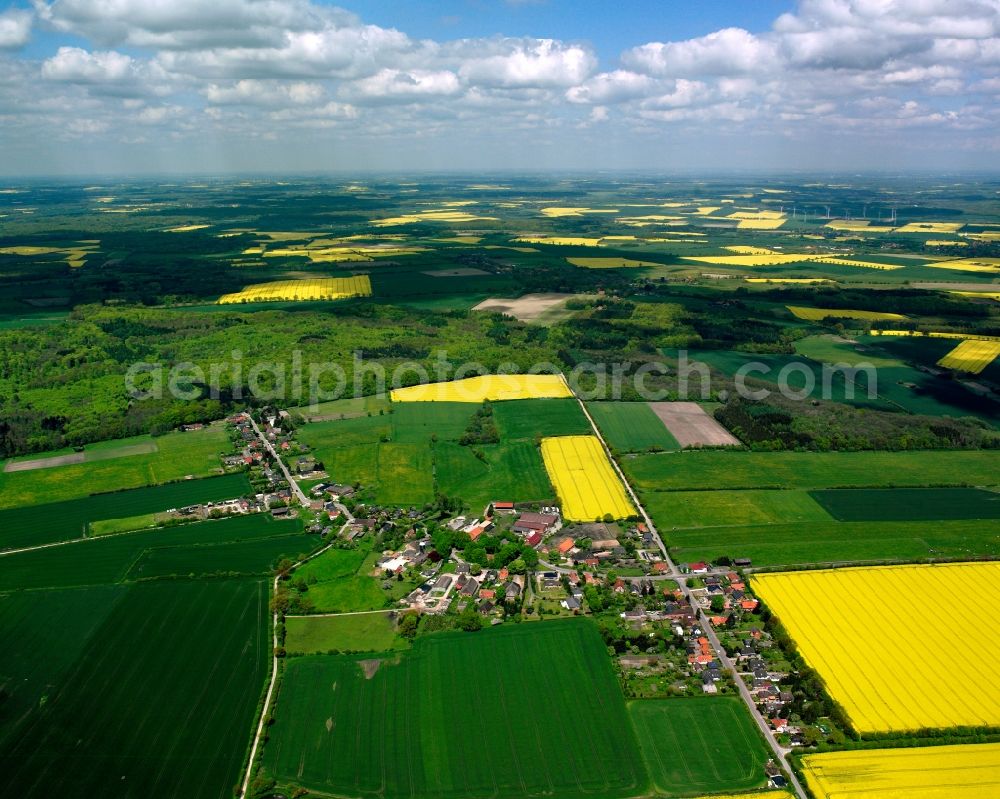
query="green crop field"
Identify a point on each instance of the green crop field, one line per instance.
(722, 469)
(693, 746)
(108, 559)
(176, 456)
(44, 633)
(417, 422)
(254, 557)
(514, 471)
(684, 509)
(405, 476)
(535, 418)
(833, 541)
(62, 521)
(344, 408)
(631, 426)
(358, 632)
(909, 504)
(555, 722)
(158, 702)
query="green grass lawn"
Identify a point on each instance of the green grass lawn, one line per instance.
(909, 504)
(362, 632)
(631, 426)
(159, 698)
(348, 595)
(334, 563)
(405, 474)
(693, 746)
(348, 408)
(176, 456)
(553, 723)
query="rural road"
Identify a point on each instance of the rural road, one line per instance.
(281, 464)
(720, 653)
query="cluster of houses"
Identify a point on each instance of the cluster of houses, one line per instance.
(604, 546)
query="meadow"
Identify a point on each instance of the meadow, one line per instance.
(587, 486)
(62, 521)
(631, 427)
(698, 745)
(533, 419)
(362, 632)
(198, 674)
(556, 739)
(902, 677)
(174, 456)
(933, 772)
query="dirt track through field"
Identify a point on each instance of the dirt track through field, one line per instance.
(44, 463)
(691, 426)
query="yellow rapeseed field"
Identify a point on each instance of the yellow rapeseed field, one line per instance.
(789, 280)
(858, 225)
(748, 250)
(930, 227)
(935, 334)
(608, 263)
(486, 387)
(818, 314)
(983, 295)
(768, 259)
(755, 795)
(756, 215)
(837, 261)
(945, 243)
(760, 224)
(970, 771)
(970, 264)
(890, 664)
(971, 356)
(556, 211)
(585, 482)
(433, 215)
(326, 288)
(566, 241)
(186, 228)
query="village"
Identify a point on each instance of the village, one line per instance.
(520, 561)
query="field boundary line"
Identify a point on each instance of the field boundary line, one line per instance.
(717, 648)
(269, 697)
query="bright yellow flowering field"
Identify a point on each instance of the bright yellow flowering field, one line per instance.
(971, 356)
(487, 387)
(756, 795)
(324, 288)
(890, 661)
(932, 772)
(585, 482)
(818, 314)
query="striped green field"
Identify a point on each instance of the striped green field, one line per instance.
(517, 711)
(631, 427)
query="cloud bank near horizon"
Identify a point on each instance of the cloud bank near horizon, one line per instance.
(246, 81)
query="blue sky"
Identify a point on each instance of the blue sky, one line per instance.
(307, 85)
(610, 27)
